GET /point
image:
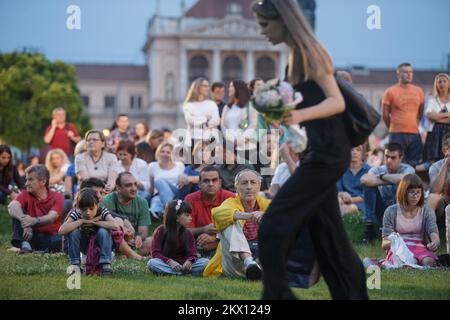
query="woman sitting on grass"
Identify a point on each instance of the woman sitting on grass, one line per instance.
(173, 246)
(413, 221)
(88, 228)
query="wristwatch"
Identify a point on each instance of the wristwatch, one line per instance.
(381, 176)
(38, 221)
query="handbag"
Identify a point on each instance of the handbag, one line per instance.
(360, 117)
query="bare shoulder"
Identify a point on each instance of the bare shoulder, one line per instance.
(327, 82)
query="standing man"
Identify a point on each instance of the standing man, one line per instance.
(403, 106)
(61, 134)
(122, 132)
(217, 95)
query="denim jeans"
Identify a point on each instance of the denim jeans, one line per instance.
(79, 242)
(39, 241)
(375, 205)
(411, 144)
(166, 190)
(160, 267)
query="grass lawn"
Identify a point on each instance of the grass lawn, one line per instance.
(43, 276)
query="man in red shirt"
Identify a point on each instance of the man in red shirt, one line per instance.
(36, 213)
(211, 195)
(60, 135)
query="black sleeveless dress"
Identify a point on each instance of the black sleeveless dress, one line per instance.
(308, 200)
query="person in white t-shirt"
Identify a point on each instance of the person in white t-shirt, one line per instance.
(164, 177)
(200, 112)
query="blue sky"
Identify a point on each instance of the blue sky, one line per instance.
(114, 31)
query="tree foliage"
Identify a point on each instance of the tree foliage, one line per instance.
(31, 86)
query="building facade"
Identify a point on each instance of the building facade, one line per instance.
(218, 40)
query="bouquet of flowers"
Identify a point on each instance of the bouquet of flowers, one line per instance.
(272, 100)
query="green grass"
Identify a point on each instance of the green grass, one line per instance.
(43, 276)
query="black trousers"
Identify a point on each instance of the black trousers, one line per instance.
(309, 200)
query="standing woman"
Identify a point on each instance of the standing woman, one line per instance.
(96, 162)
(200, 112)
(239, 118)
(438, 112)
(309, 198)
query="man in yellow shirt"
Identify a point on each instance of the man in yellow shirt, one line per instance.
(237, 222)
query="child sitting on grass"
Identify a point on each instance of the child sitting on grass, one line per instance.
(91, 229)
(173, 247)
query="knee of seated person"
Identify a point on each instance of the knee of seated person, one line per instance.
(102, 232)
(74, 234)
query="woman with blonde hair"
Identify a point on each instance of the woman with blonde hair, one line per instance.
(438, 112)
(200, 112)
(57, 164)
(308, 200)
(165, 176)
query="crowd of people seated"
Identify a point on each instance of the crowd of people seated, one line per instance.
(108, 192)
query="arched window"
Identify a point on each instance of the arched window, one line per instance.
(170, 87)
(232, 69)
(198, 67)
(265, 68)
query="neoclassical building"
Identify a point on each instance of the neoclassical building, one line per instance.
(218, 40)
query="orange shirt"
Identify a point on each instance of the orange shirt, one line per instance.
(405, 104)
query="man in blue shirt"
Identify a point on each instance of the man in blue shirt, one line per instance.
(350, 190)
(380, 186)
(439, 173)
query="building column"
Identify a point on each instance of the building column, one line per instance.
(183, 73)
(217, 66)
(250, 66)
(282, 64)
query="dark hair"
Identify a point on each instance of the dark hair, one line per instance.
(404, 64)
(119, 177)
(174, 233)
(209, 168)
(6, 175)
(128, 146)
(251, 86)
(86, 198)
(394, 146)
(265, 9)
(145, 127)
(216, 85)
(241, 93)
(92, 183)
(410, 181)
(121, 115)
(41, 171)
